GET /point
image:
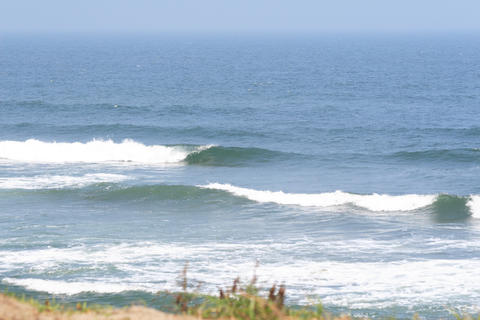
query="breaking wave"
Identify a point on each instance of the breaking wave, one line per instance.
(373, 202)
(445, 206)
(95, 151)
(107, 187)
(104, 151)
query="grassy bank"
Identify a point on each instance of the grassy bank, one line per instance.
(234, 303)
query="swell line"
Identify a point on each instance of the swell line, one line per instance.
(110, 188)
(440, 203)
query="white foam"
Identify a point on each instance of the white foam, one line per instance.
(373, 202)
(154, 266)
(95, 151)
(59, 181)
(474, 205)
(73, 287)
(382, 284)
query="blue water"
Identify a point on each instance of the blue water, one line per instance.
(346, 166)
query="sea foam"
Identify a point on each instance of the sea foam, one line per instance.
(151, 267)
(72, 287)
(474, 205)
(95, 151)
(59, 181)
(372, 202)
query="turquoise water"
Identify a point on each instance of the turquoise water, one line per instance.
(347, 167)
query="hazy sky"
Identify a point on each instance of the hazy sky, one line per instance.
(239, 16)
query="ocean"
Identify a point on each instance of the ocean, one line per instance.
(345, 167)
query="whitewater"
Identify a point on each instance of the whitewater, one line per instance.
(372, 202)
(94, 151)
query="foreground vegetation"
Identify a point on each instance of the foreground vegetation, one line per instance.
(243, 303)
(235, 304)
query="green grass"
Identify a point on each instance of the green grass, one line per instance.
(243, 302)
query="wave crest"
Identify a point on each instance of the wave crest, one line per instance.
(474, 205)
(445, 207)
(453, 155)
(95, 151)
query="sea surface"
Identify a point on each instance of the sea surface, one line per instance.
(344, 167)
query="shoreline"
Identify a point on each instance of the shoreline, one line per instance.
(233, 306)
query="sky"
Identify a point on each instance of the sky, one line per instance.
(249, 16)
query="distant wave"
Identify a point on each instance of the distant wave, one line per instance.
(95, 151)
(100, 151)
(59, 181)
(115, 193)
(462, 155)
(115, 107)
(106, 187)
(46, 106)
(34, 129)
(446, 206)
